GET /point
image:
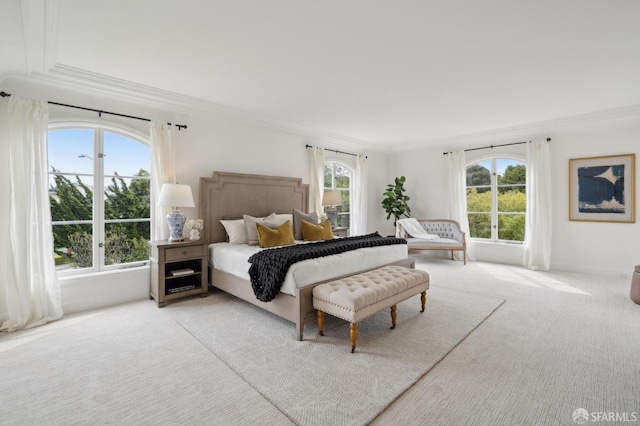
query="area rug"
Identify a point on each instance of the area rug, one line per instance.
(318, 381)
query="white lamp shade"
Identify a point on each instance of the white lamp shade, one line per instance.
(331, 198)
(175, 195)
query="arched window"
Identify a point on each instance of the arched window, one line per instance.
(99, 189)
(338, 176)
(496, 199)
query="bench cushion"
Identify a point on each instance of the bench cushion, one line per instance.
(359, 296)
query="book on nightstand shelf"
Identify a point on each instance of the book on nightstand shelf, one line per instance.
(178, 272)
(179, 289)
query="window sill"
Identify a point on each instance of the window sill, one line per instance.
(79, 276)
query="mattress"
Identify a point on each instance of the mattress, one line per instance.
(233, 259)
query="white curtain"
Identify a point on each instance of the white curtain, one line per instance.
(458, 197)
(163, 150)
(359, 198)
(316, 186)
(29, 288)
(537, 235)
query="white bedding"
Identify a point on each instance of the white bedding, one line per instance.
(233, 259)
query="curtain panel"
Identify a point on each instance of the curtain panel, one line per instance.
(29, 287)
(163, 149)
(537, 234)
(359, 202)
(316, 184)
(458, 197)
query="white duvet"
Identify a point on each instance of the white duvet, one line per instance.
(233, 259)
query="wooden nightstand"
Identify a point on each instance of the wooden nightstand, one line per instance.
(340, 231)
(178, 269)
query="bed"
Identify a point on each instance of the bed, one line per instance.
(231, 195)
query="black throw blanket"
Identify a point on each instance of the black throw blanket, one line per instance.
(269, 267)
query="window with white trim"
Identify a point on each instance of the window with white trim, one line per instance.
(497, 200)
(338, 176)
(99, 189)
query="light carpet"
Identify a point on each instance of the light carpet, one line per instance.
(318, 381)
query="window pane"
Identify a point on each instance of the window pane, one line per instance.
(71, 197)
(511, 227)
(124, 156)
(511, 200)
(126, 242)
(343, 219)
(327, 177)
(343, 177)
(71, 151)
(72, 246)
(126, 198)
(478, 200)
(511, 172)
(480, 225)
(479, 174)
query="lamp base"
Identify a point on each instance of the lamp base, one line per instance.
(176, 220)
(332, 214)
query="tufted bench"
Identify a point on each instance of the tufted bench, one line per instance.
(359, 296)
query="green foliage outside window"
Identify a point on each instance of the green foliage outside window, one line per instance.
(511, 202)
(124, 242)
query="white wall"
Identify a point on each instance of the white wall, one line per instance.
(212, 142)
(595, 247)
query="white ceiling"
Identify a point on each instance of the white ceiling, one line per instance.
(384, 73)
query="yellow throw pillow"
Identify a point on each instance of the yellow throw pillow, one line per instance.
(311, 232)
(280, 236)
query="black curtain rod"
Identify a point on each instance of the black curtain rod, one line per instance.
(100, 112)
(338, 152)
(493, 146)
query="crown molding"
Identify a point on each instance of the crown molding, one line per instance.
(535, 127)
(150, 96)
(40, 33)
(61, 74)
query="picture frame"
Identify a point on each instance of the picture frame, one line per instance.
(602, 189)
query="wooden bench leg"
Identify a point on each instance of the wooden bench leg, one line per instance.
(423, 300)
(353, 333)
(321, 322)
(394, 315)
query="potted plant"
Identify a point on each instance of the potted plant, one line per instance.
(395, 202)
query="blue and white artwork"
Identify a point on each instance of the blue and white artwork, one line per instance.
(601, 189)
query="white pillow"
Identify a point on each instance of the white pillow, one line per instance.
(236, 231)
(252, 230)
(282, 218)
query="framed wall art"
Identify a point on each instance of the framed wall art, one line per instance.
(602, 189)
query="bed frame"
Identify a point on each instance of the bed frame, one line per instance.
(229, 196)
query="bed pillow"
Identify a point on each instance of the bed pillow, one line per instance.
(236, 231)
(282, 218)
(312, 232)
(298, 217)
(280, 236)
(250, 225)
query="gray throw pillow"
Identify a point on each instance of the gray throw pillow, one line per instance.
(298, 217)
(252, 230)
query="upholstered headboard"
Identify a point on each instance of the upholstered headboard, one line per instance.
(230, 195)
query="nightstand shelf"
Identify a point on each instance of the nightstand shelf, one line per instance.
(178, 269)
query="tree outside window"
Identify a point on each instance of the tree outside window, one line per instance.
(496, 199)
(337, 176)
(99, 190)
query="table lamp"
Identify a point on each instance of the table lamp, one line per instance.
(332, 199)
(176, 195)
